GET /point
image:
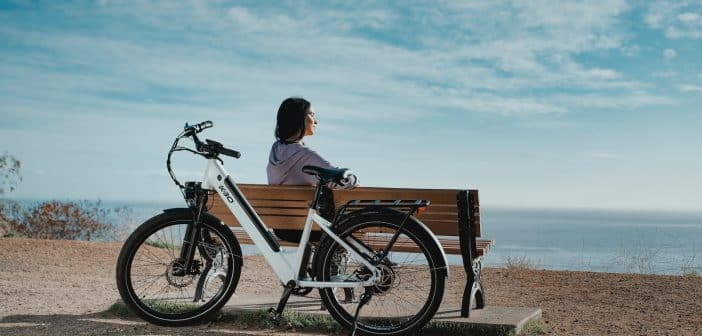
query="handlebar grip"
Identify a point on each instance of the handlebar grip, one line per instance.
(204, 125)
(199, 127)
(229, 152)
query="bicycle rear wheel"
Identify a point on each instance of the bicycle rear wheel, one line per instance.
(413, 276)
(153, 281)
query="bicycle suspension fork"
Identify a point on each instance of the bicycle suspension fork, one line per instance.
(192, 232)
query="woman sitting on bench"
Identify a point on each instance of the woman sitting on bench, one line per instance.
(289, 154)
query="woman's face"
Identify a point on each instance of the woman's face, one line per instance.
(310, 122)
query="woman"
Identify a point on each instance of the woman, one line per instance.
(289, 154)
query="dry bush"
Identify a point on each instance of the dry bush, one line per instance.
(9, 178)
(82, 220)
(9, 173)
(520, 263)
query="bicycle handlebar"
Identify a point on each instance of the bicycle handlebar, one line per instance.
(211, 147)
(214, 146)
(199, 127)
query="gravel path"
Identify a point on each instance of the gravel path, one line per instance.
(64, 288)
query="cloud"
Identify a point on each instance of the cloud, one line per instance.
(220, 57)
(678, 20)
(548, 124)
(609, 101)
(690, 88)
(630, 51)
(659, 12)
(663, 74)
(690, 18)
(669, 54)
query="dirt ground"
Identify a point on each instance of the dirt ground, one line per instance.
(64, 288)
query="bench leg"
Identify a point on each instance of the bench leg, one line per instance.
(479, 293)
(473, 293)
(465, 305)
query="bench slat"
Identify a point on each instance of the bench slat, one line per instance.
(266, 211)
(284, 193)
(279, 203)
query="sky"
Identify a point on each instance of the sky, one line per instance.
(591, 104)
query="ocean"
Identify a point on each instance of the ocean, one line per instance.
(654, 242)
(595, 240)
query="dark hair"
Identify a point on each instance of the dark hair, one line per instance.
(291, 120)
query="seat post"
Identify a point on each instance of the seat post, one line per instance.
(317, 194)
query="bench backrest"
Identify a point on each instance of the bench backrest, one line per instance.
(285, 207)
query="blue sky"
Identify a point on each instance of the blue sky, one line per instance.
(582, 105)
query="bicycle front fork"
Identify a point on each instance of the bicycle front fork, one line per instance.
(196, 197)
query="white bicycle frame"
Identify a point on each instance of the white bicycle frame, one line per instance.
(286, 264)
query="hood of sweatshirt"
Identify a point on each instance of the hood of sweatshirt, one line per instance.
(283, 154)
(285, 164)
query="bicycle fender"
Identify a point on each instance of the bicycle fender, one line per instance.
(436, 241)
(206, 216)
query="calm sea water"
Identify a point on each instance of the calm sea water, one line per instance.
(588, 240)
(607, 241)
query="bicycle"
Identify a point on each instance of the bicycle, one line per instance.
(181, 266)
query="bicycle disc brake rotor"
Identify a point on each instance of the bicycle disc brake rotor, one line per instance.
(388, 280)
(174, 279)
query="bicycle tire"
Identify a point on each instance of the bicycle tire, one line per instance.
(398, 276)
(216, 243)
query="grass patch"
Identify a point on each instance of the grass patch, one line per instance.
(291, 321)
(297, 320)
(120, 309)
(533, 328)
(257, 319)
(171, 307)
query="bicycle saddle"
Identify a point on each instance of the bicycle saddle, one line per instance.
(327, 174)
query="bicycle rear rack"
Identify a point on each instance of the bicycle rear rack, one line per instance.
(409, 207)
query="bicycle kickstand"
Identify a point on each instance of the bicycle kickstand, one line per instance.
(364, 299)
(276, 315)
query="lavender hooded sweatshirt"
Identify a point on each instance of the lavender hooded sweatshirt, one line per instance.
(285, 164)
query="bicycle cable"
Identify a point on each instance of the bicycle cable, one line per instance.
(176, 148)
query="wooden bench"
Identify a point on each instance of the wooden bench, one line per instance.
(453, 216)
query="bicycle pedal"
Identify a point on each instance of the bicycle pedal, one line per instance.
(274, 317)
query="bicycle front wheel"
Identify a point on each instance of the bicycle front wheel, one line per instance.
(155, 284)
(412, 281)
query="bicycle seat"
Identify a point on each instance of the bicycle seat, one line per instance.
(327, 174)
